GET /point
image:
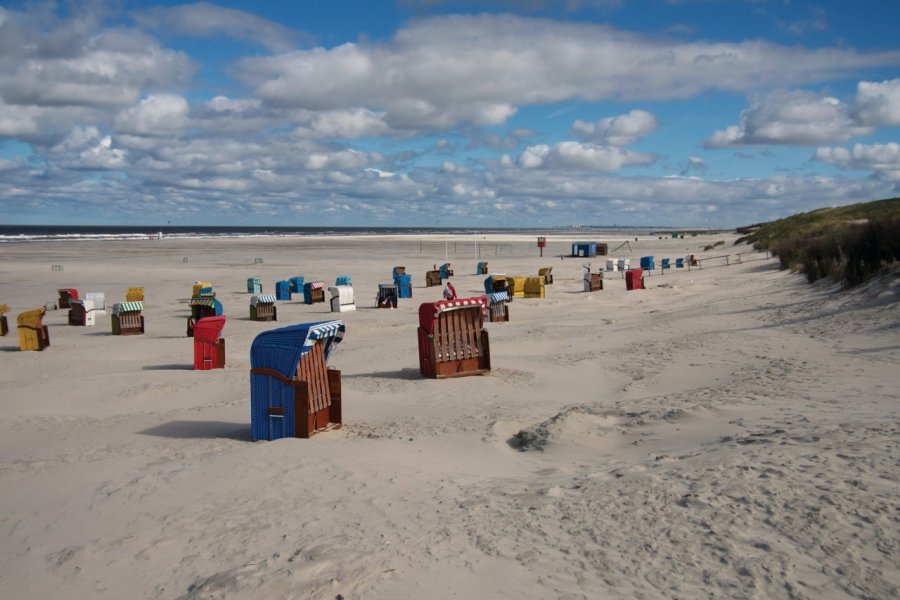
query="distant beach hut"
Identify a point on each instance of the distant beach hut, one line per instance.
(254, 285)
(343, 280)
(313, 292)
(584, 249)
(202, 288)
(342, 298)
(127, 318)
(634, 279)
(33, 334)
(482, 268)
(293, 393)
(602, 249)
(262, 308)
(134, 294)
(65, 295)
(404, 285)
(593, 282)
(283, 290)
(432, 278)
(452, 340)
(647, 263)
(209, 345)
(516, 287)
(547, 274)
(387, 295)
(446, 271)
(4, 325)
(296, 284)
(534, 287)
(203, 306)
(498, 308)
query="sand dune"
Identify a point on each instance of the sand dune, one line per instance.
(727, 432)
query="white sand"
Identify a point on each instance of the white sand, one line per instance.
(729, 432)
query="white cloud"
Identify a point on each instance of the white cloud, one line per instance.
(203, 19)
(440, 71)
(620, 130)
(162, 115)
(883, 159)
(878, 103)
(346, 124)
(575, 155)
(791, 118)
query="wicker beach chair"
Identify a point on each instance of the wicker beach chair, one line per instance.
(547, 274)
(127, 318)
(296, 285)
(283, 290)
(293, 393)
(209, 345)
(4, 324)
(203, 306)
(432, 278)
(498, 309)
(342, 298)
(446, 271)
(534, 287)
(343, 280)
(65, 296)
(482, 268)
(254, 285)
(134, 294)
(387, 295)
(202, 288)
(404, 285)
(313, 292)
(593, 282)
(516, 287)
(33, 334)
(452, 340)
(262, 308)
(634, 279)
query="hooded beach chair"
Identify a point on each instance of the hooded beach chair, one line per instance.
(254, 285)
(516, 287)
(127, 318)
(612, 264)
(343, 280)
(33, 334)
(592, 281)
(647, 263)
(202, 288)
(65, 295)
(482, 268)
(679, 262)
(283, 290)
(262, 308)
(314, 291)
(534, 287)
(452, 338)
(404, 285)
(342, 298)
(547, 273)
(209, 345)
(134, 294)
(203, 306)
(293, 393)
(398, 271)
(624, 264)
(296, 285)
(634, 279)
(78, 311)
(432, 278)
(446, 271)
(387, 295)
(498, 309)
(497, 283)
(665, 264)
(4, 324)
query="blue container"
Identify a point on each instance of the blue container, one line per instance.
(584, 249)
(647, 263)
(296, 284)
(279, 350)
(404, 285)
(283, 290)
(342, 280)
(679, 263)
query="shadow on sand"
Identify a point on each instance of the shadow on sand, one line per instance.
(201, 430)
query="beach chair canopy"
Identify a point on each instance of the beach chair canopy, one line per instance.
(296, 283)
(30, 318)
(4, 308)
(498, 297)
(202, 288)
(281, 349)
(344, 293)
(429, 311)
(315, 285)
(262, 299)
(209, 328)
(123, 307)
(208, 301)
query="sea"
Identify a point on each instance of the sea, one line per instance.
(69, 233)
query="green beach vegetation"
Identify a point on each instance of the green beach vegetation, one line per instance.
(851, 244)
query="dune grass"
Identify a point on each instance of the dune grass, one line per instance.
(849, 244)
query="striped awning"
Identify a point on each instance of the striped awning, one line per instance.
(203, 301)
(121, 307)
(262, 299)
(498, 297)
(316, 285)
(281, 349)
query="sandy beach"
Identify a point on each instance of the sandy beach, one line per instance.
(728, 432)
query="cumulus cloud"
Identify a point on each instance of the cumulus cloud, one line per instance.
(345, 124)
(162, 115)
(575, 155)
(440, 71)
(883, 159)
(620, 130)
(207, 20)
(878, 103)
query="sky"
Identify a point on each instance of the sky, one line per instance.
(446, 113)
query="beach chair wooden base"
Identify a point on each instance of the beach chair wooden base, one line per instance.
(498, 313)
(264, 313)
(127, 324)
(33, 338)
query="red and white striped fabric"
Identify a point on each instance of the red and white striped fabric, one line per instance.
(316, 285)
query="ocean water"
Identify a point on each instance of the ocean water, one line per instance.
(44, 233)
